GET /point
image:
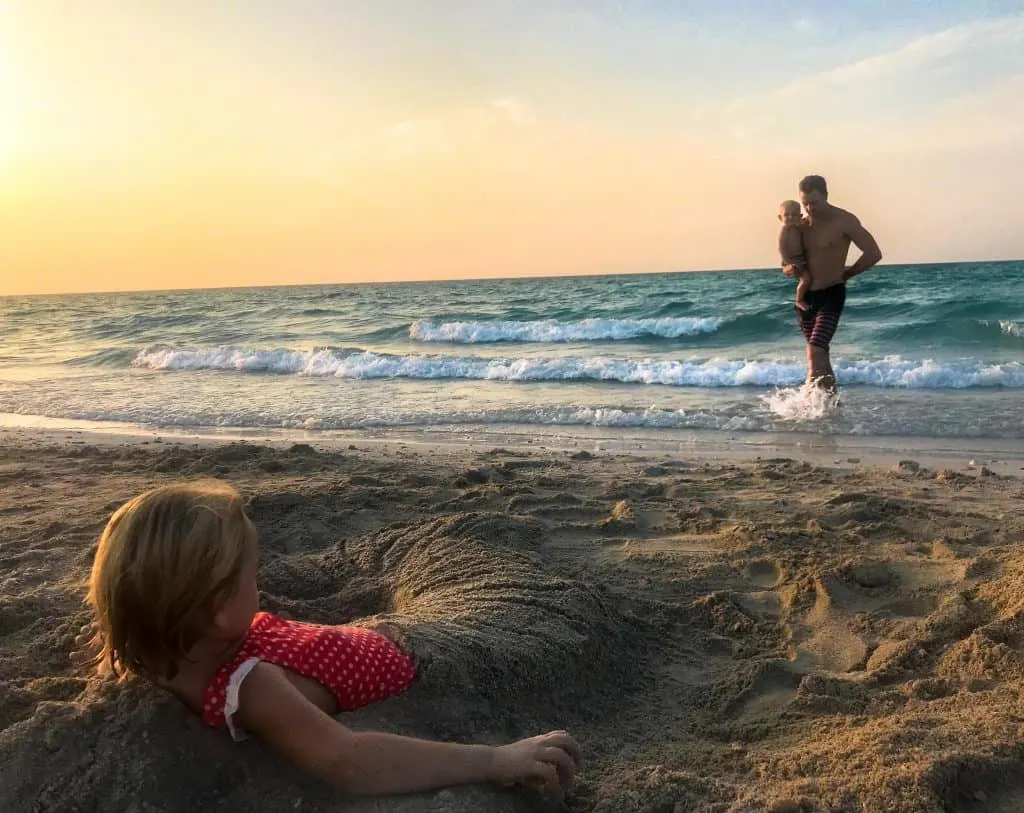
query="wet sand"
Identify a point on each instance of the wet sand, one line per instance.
(721, 632)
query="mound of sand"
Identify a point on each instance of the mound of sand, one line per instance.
(764, 636)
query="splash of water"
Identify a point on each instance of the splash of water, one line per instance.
(805, 403)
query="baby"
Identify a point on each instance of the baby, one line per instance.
(174, 600)
(791, 248)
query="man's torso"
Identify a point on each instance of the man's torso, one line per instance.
(826, 244)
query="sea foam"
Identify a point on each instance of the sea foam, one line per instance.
(891, 371)
(549, 330)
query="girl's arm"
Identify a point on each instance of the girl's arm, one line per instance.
(271, 708)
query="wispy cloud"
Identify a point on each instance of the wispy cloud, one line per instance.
(805, 25)
(896, 90)
(417, 136)
(446, 135)
(955, 48)
(516, 111)
(459, 128)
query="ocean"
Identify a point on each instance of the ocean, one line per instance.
(931, 351)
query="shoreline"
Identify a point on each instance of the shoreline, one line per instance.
(835, 452)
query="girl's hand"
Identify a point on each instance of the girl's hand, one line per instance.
(547, 763)
(88, 644)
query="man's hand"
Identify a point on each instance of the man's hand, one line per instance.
(871, 254)
(789, 270)
(547, 763)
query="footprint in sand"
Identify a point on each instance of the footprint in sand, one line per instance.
(765, 602)
(875, 595)
(774, 688)
(763, 573)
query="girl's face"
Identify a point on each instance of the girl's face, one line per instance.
(237, 611)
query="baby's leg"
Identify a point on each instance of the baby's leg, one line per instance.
(801, 292)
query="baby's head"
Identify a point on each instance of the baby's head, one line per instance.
(174, 566)
(789, 213)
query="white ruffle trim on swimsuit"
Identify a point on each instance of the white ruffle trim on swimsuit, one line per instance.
(231, 698)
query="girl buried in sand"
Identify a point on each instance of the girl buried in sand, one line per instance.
(174, 596)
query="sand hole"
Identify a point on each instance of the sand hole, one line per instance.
(770, 692)
(763, 603)
(763, 573)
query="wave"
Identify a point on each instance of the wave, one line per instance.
(1008, 328)
(891, 371)
(109, 357)
(549, 330)
(765, 323)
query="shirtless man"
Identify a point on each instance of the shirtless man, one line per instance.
(827, 238)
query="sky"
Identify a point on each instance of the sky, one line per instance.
(263, 142)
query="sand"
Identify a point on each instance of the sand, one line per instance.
(720, 634)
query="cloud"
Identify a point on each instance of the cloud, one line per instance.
(418, 137)
(958, 48)
(459, 129)
(879, 99)
(516, 111)
(452, 133)
(805, 25)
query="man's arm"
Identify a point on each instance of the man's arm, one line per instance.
(871, 254)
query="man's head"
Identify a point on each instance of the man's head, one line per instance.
(789, 213)
(814, 194)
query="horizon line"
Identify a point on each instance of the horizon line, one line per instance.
(476, 279)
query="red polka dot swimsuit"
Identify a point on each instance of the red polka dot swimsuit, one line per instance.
(358, 665)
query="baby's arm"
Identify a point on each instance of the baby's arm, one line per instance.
(368, 762)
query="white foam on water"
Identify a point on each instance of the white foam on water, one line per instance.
(805, 403)
(891, 371)
(1009, 328)
(550, 330)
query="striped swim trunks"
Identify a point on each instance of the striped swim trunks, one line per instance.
(820, 320)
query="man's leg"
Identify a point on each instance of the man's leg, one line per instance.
(806, 318)
(819, 363)
(819, 367)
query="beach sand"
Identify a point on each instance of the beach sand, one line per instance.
(721, 634)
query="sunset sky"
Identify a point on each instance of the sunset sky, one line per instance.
(252, 142)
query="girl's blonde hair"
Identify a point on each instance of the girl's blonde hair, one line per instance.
(164, 561)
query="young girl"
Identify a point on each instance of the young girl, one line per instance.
(173, 590)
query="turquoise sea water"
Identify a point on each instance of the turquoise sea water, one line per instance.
(928, 350)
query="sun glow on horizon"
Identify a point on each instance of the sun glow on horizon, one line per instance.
(217, 145)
